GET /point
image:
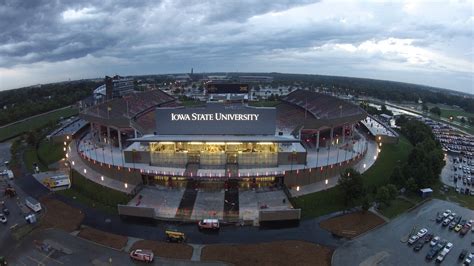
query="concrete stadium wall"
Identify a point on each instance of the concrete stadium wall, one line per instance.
(136, 211)
(140, 157)
(312, 175)
(117, 173)
(279, 215)
(285, 158)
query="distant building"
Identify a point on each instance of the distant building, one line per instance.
(255, 79)
(185, 78)
(99, 92)
(117, 86)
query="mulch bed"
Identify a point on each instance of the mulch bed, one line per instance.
(104, 238)
(60, 215)
(352, 224)
(166, 250)
(274, 253)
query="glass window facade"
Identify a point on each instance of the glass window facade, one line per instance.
(214, 154)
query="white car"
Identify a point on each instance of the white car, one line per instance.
(413, 239)
(448, 248)
(422, 232)
(468, 259)
(434, 241)
(3, 218)
(446, 213)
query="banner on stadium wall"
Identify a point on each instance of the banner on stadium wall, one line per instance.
(216, 119)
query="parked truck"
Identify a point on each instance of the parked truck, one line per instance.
(33, 204)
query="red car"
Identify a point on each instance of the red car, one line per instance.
(142, 255)
(465, 229)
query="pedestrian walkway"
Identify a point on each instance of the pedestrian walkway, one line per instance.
(334, 154)
(363, 165)
(78, 165)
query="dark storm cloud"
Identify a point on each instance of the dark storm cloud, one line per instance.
(91, 37)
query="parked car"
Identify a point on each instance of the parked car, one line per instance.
(209, 224)
(428, 238)
(458, 228)
(446, 222)
(422, 232)
(5, 210)
(434, 241)
(465, 229)
(3, 218)
(452, 225)
(468, 259)
(413, 239)
(446, 213)
(439, 218)
(419, 245)
(144, 255)
(463, 254)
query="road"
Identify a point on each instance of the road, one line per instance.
(16, 216)
(65, 249)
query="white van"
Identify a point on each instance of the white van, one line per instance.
(10, 174)
(33, 204)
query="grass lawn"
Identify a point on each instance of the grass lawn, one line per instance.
(391, 156)
(31, 156)
(94, 195)
(74, 194)
(396, 207)
(34, 123)
(331, 200)
(50, 152)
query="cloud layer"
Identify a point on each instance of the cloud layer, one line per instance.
(421, 42)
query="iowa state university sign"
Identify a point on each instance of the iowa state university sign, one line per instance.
(216, 119)
(213, 116)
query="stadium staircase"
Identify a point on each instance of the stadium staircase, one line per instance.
(231, 201)
(186, 204)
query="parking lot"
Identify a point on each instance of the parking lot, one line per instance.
(457, 173)
(387, 244)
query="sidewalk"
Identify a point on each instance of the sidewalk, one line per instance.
(326, 156)
(78, 165)
(362, 166)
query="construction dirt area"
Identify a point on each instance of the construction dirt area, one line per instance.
(165, 250)
(272, 253)
(60, 215)
(352, 224)
(107, 239)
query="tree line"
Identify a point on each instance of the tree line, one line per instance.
(421, 170)
(21, 103)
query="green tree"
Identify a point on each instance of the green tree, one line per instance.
(397, 177)
(383, 195)
(32, 138)
(352, 186)
(424, 107)
(411, 185)
(435, 110)
(392, 191)
(365, 203)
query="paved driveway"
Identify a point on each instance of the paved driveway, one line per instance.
(65, 249)
(384, 245)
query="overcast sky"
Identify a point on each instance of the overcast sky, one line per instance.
(424, 42)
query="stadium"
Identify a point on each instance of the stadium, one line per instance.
(163, 140)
